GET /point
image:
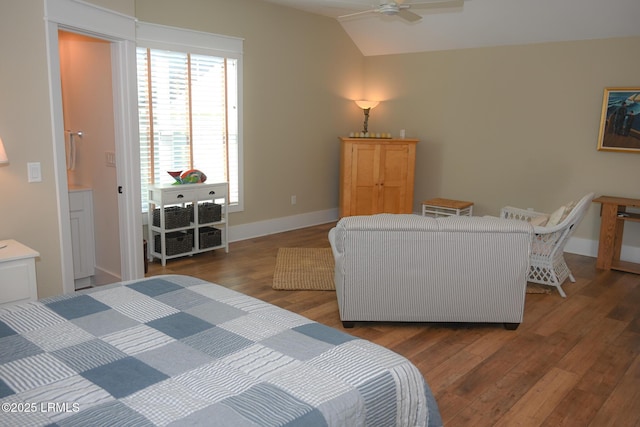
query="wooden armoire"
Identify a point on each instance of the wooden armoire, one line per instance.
(376, 175)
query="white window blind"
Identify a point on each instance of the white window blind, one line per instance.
(188, 114)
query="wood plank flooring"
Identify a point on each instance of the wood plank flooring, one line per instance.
(572, 362)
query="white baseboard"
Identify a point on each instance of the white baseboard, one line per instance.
(575, 245)
(580, 246)
(587, 247)
(279, 225)
(82, 283)
(100, 277)
(104, 277)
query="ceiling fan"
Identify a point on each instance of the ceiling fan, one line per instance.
(401, 8)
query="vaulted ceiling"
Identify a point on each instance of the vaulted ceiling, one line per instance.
(459, 24)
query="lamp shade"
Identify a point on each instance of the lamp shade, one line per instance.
(3, 154)
(365, 105)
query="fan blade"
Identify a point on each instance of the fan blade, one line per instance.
(438, 4)
(409, 16)
(350, 15)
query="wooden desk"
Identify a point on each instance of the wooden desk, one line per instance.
(614, 214)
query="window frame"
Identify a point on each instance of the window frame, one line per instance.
(155, 36)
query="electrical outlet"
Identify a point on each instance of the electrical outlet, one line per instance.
(293, 199)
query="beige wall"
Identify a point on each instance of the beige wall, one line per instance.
(126, 7)
(300, 74)
(511, 125)
(28, 211)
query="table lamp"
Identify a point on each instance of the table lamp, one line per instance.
(3, 160)
(3, 154)
(366, 107)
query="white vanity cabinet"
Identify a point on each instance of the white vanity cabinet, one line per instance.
(17, 273)
(187, 219)
(82, 235)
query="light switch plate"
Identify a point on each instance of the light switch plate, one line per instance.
(110, 158)
(34, 172)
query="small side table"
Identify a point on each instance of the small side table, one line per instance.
(17, 273)
(614, 214)
(446, 207)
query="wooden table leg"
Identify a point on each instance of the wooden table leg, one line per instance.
(609, 233)
(617, 241)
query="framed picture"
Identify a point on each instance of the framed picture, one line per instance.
(620, 121)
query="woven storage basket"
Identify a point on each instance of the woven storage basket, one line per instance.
(176, 243)
(174, 217)
(209, 237)
(207, 212)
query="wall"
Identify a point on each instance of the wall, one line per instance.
(301, 73)
(28, 210)
(513, 125)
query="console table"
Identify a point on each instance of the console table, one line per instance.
(614, 214)
(187, 219)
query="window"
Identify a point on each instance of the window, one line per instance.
(189, 108)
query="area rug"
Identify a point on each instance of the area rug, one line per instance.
(304, 269)
(535, 288)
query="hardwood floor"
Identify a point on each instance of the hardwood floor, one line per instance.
(572, 362)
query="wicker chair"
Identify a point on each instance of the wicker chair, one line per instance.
(547, 264)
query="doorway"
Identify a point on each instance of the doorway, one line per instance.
(117, 31)
(87, 105)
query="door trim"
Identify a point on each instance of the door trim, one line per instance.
(120, 30)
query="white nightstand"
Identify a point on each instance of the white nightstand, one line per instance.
(17, 273)
(446, 207)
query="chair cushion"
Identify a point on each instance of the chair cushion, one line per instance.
(539, 221)
(560, 214)
(569, 208)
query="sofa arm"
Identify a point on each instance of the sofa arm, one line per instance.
(332, 242)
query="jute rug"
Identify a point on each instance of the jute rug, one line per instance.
(312, 269)
(304, 269)
(535, 288)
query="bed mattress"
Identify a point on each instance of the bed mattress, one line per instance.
(177, 350)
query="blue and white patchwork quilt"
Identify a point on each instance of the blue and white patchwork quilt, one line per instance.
(176, 350)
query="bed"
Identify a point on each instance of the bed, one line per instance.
(177, 350)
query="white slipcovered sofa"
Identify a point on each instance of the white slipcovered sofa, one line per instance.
(410, 268)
